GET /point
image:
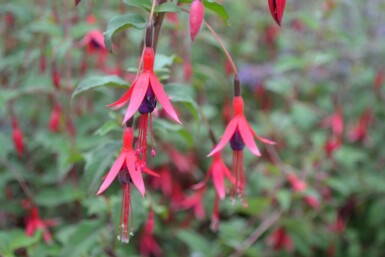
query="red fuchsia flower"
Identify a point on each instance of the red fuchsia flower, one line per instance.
(277, 7)
(143, 95)
(33, 222)
(17, 136)
(312, 201)
(280, 239)
(94, 42)
(42, 63)
(195, 202)
(172, 17)
(239, 133)
(55, 76)
(296, 184)
(335, 122)
(379, 81)
(196, 18)
(187, 69)
(217, 171)
(54, 120)
(183, 162)
(332, 144)
(148, 246)
(128, 168)
(360, 130)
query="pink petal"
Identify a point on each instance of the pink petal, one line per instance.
(263, 140)
(119, 103)
(229, 132)
(150, 172)
(137, 97)
(219, 181)
(247, 136)
(135, 172)
(98, 37)
(227, 172)
(163, 98)
(111, 175)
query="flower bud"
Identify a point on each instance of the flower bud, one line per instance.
(196, 18)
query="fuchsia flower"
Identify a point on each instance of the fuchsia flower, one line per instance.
(33, 222)
(196, 18)
(143, 95)
(280, 239)
(379, 81)
(239, 133)
(360, 130)
(128, 168)
(94, 42)
(54, 120)
(277, 7)
(296, 184)
(148, 246)
(17, 136)
(195, 202)
(312, 201)
(217, 171)
(335, 122)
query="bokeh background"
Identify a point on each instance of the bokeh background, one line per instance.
(315, 85)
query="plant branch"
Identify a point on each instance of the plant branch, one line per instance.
(270, 221)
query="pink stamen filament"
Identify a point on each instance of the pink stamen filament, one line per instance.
(124, 235)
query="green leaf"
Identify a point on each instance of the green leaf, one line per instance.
(53, 197)
(167, 7)
(120, 23)
(81, 239)
(217, 8)
(194, 241)
(14, 239)
(98, 81)
(106, 128)
(181, 93)
(284, 199)
(214, 7)
(143, 4)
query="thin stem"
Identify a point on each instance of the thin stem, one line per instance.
(270, 221)
(229, 58)
(23, 184)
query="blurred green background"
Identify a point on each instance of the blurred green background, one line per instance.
(315, 85)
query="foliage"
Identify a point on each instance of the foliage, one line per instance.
(313, 85)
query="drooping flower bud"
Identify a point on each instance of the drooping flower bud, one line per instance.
(17, 137)
(196, 18)
(277, 7)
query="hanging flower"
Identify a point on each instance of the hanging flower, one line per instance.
(33, 222)
(196, 18)
(296, 184)
(55, 117)
(195, 202)
(17, 136)
(360, 130)
(94, 42)
(143, 95)
(128, 168)
(335, 122)
(148, 246)
(280, 239)
(277, 7)
(239, 133)
(217, 171)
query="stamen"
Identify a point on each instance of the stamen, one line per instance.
(124, 236)
(215, 216)
(237, 169)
